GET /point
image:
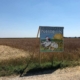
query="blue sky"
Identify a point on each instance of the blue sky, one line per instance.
(21, 18)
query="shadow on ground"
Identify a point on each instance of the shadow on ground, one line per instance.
(41, 71)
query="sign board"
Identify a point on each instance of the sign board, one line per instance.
(51, 39)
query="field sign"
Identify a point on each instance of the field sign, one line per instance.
(51, 39)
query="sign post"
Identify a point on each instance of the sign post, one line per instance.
(39, 50)
(51, 39)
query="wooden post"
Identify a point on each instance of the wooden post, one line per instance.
(38, 32)
(39, 58)
(39, 48)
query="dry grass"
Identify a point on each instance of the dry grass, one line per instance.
(8, 53)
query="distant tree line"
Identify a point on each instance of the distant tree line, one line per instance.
(71, 37)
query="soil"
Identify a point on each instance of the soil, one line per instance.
(72, 73)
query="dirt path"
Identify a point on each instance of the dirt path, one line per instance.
(63, 74)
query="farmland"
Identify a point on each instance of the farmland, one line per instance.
(71, 46)
(27, 50)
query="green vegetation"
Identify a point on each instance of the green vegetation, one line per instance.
(12, 69)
